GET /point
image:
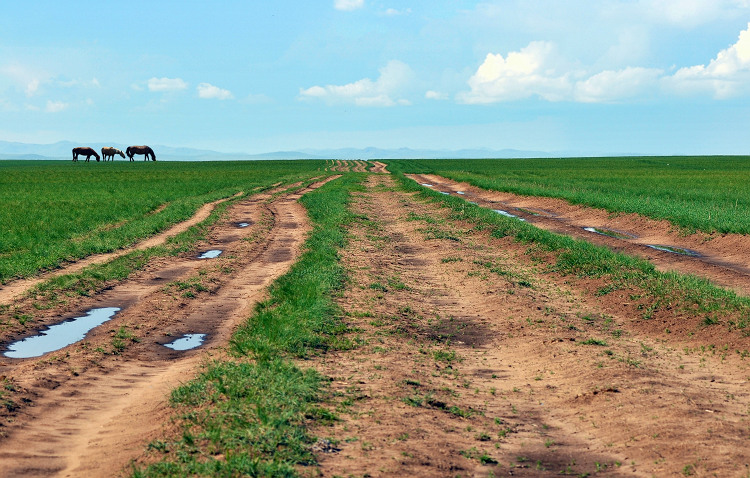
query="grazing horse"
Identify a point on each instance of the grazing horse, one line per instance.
(108, 152)
(88, 152)
(146, 151)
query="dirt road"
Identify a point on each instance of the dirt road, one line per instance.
(476, 363)
(91, 407)
(722, 258)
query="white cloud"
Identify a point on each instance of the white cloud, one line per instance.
(609, 86)
(209, 91)
(392, 12)
(55, 106)
(435, 95)
(535, 71)
(687, 13)
(525, 73)
(166, 84)
(394, 77)
(25, 78)
(725, 76)
(348, 5)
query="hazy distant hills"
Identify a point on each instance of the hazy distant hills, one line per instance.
(62, 150)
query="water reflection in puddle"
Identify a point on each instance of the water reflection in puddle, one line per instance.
(507, 214)
(243, 224)
(212, 254)
(609, 232)
(443, 192)
(187, 342)
(60, 335)
(460, 192)
(674, 250)
(426, 184)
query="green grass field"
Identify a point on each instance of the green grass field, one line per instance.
(54, 211)
(708, 193)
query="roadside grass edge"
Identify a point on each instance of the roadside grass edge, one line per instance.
(247, 415)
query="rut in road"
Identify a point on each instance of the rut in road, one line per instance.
(14, 289)
(721, 258)
(90, 412)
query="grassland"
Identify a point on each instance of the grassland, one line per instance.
(56, 211)
(707, 193)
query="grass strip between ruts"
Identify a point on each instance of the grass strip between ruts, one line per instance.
(665, 290)
(246, 416)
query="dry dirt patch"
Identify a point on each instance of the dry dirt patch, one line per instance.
(474, 362)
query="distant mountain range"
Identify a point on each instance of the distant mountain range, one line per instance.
(62, 150)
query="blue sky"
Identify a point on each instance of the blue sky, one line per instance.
(611, 76)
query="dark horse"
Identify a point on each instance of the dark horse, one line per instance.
(110, 153)
(88, 152)
(146, 151)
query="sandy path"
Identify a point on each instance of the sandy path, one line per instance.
(13, 289)
(474, 363)
(722, 258)
(90, 412)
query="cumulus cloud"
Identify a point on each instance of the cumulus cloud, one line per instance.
(534, 71)
(166, 84)
(725, 76)
(394, 78)
(609, 86)
(348, 5)
(209, 91)
(55, 106)
(522, 74)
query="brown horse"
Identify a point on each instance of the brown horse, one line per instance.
(110, 153)
(146, 151)
(85, 151)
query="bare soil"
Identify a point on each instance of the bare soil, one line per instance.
(475, 362)
(90, 408)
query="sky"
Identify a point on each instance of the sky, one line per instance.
(580, 76)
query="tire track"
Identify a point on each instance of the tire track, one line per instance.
(100, 417)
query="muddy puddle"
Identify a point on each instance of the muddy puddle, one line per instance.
(609, 233)
(187, 342)
(212, 254)
(60, 335)
(674, 250)
(243, 224)
(505, 213)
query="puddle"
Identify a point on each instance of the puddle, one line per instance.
(460, 192)
(443, 192)
(60, 335)
(187, 342)
(426, 184)
(507, 214)
(212, 254)
(674, 250)
(609, 232)
(243, 224)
